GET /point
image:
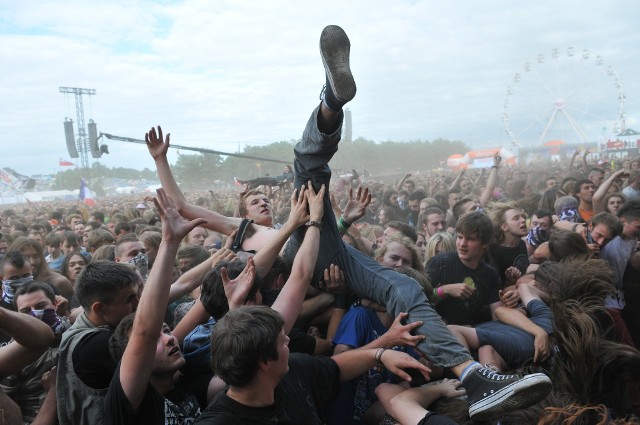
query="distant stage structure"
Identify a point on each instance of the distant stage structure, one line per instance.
(80, 144)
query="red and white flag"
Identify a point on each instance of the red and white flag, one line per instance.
(65, 163)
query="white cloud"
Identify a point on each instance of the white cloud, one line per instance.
(219, 74)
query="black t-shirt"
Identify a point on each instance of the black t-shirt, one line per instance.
(446, 268)
(300, 398)
(178, 406)
(503, 257)
(92, 361)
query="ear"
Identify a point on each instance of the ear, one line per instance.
(118, 260)
(98, 308)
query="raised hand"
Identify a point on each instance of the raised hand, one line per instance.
(316, 202)
(223, 254)
(157, 146)
(174, 226)
(298, 215)
(334, 280)
(356, 208)
(237, 290)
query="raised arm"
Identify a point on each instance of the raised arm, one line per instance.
(31, 337)
(158, 148)
(598, 196)
(289, 301)
(138, 359)
(456, 181)
(401, 182)
(492, 180)
(265, 258)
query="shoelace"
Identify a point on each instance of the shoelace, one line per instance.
(490, 374)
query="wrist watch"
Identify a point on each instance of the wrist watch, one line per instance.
(314, 223)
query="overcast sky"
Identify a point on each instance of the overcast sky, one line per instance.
(226, 74)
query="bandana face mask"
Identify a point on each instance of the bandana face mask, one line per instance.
(49, 317)
(9, 287)
(570, 214)
(537, 236)
(141, 261)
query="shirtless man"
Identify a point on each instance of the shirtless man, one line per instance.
(489, 394)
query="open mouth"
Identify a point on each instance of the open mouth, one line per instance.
(174, 350)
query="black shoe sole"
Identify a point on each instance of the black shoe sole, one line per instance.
(523, 393)
(334, 50)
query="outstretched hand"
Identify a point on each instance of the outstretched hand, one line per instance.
(397, 361)
(298, 215)
(237, 290)
(157, 146)
(316, 202)
(399, 334)
(356, 208)
(174, 226)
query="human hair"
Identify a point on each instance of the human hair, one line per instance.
(419, 276)
(564, 203)
(517, 189)
(53, 239)
(611, 221)
(102, 280)
(389, 212)
(120, 337)
(416, 262)
(131, 213)
(417, 195)
(14, 258)
(608, 196)
(630, 211)
(581, 183)
(98, 238)
(129, 237)
(99, 216)
(476, 223)
(151, 238)
(405, 229)
(424, 215)
(105, 252)
(64, 268)
(71, 238)
(242, 206)
(548, 199)
(32, 287)
(196, 253)
(241, 340)
(387, 195)
(123, 225)
(497, 212)
(212, 293)
(540, 213)
(444, 239)
(529, 203)
(458, 208)
(22, 243)
(565, 244)
(70, 217)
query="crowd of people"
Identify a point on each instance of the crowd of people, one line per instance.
(505, 295)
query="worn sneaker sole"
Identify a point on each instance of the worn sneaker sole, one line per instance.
(523, 393)
(334, 50)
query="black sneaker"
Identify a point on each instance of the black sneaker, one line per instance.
(490, 393)
(334, 50)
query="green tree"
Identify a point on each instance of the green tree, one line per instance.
(197, 171)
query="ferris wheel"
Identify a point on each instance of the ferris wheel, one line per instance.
(565, 95)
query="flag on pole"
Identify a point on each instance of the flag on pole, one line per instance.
(65, 163)
(85, 194)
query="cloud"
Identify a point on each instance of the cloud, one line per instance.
(225, 74)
